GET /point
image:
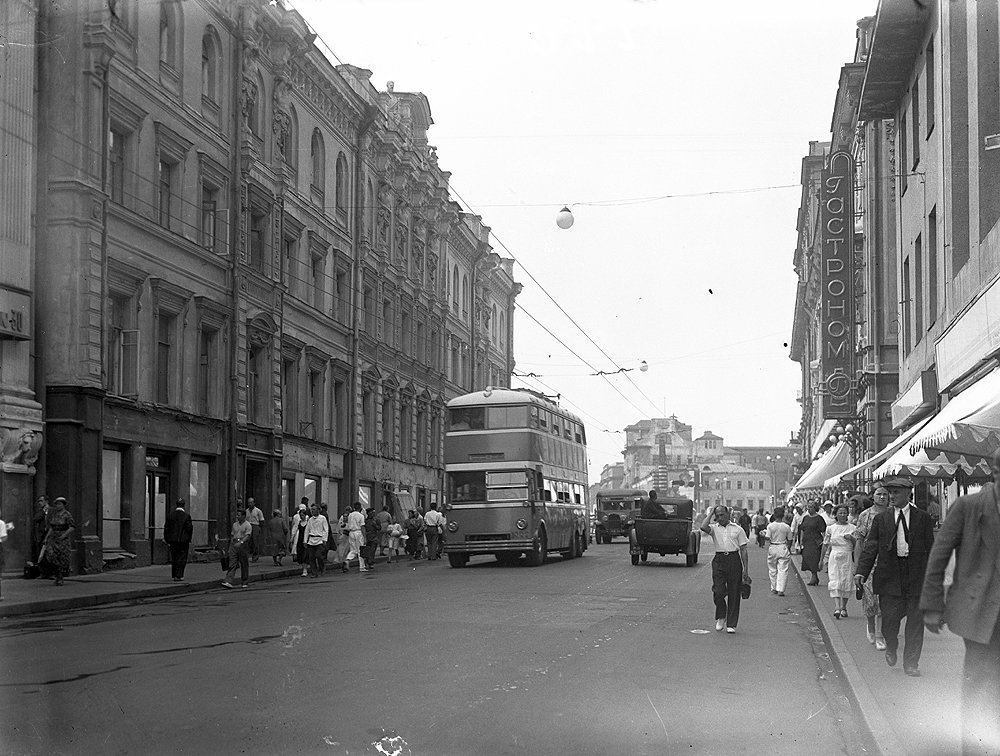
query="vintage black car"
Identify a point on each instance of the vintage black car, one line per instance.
(666, 527)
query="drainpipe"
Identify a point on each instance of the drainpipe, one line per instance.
(235, 222)
(351, 460)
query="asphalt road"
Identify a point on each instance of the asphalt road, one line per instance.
(586, 656)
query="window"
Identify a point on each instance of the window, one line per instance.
(169, 33)
(420, 351)
(435, 438)
(116, 165)
(256, 369)
(286, 132)
(341, 292)
(465, 296)
(338, 411)
(929, 86)
(434, 358)
(315, 403)
(467, 418)
(164, 192)
(903, 169)
(918, 289)
(421, 435)
(494, 324)
(906, 305)
(318, 276)
(341, 183)
(739, 484)
(317, 154)
(916, 123)
(932, 265)
(405, 327)
(198, 499)
(209, 200)
(210, 67)
(368, 301)
(207, 378)
(454, 291)
(290, 394)
(406, 430)
(387, 322)
(388, 423)
(258, 236)
(166, 324)
(122, 358)
(368, 419)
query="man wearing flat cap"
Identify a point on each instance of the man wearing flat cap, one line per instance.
(901, 539)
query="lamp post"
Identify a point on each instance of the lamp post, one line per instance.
(774, 480)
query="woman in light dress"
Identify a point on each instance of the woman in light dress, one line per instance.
(838, 547)
(869, 599)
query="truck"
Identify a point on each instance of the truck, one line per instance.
(673, 532)
(616, 510)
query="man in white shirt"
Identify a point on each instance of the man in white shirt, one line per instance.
(256, 519)
(779, 551)
(239, 552)
(317, 538)
(730, 569)
(434, 521)
(355, 538)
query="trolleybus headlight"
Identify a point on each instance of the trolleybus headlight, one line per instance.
(452, 526)
(522, 524)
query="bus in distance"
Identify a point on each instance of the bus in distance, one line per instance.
(516, 469)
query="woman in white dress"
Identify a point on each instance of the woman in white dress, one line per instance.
(838, 545)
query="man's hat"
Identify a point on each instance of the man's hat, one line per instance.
(896, 481)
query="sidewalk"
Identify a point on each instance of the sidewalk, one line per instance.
(905, 715)
(22, 596)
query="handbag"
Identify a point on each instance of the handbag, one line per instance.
(745, 590)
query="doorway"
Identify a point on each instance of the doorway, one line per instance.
(157, 496)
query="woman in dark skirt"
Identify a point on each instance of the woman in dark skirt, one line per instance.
(59, 539)
(811, 531)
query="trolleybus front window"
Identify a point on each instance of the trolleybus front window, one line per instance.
(467, 418)
(467, 487)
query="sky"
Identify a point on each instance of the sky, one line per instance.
(675, 132)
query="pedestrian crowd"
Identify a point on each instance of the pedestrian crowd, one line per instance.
(309, 537)
(892, 556)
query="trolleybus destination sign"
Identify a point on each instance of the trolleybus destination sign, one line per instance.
(837, 298)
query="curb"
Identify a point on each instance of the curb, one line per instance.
(87, 601)
(868, 708)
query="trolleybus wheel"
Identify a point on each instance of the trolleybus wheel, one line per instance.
(571, 552)
(458, 560)
(644, 555)
(692, 560)
(537, 554)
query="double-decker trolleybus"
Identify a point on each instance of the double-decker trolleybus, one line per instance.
(516, 467)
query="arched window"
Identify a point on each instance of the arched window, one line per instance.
(317, 153)
(256, 117)
(454, 290)
(341, 183)
(210, 65)
(370, 208)
(465, 295)
(503, 330)
(493, 323)
(168, 34)
(290, 149)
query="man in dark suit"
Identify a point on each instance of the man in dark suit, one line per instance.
(972, 607)
(177, 531)
(901, 540)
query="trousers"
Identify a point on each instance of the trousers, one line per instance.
(727, 580)
(981, 696)
(778, 559)
(178, 558)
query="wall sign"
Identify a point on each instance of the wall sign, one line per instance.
(837, 298)
(15, 314)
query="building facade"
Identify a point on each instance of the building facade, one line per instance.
(918, 112)
(243, 260)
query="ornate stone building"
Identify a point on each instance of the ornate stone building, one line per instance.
(244, 258)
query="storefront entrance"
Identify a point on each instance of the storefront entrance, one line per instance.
(158, 496)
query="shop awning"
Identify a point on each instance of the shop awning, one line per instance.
(919, 465)
(968, 427)
(830, 464)
(891, 448)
